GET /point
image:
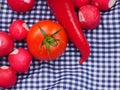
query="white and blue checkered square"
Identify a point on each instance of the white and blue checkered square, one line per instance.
(100, 72)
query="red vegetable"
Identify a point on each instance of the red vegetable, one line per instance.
(18, 30)
(80, 3)
(103, 5)
(47, 40)
(89, 17)
(65, 14)
(6, 44)
(20, 60)
(8, 77)
(21, 5)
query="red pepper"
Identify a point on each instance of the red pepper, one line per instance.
(65, 14)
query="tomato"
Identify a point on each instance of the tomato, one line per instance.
(47, 40)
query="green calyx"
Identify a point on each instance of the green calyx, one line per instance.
(49, 40)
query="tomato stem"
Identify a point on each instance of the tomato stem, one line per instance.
(56, 33)
(49, 40)
(42, 31)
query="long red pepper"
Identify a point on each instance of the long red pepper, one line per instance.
(65, 14)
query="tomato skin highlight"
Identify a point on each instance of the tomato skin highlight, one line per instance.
(6, 44)
(35, 38)
(8, 77)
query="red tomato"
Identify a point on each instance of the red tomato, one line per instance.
(47, 40)
(6, 44)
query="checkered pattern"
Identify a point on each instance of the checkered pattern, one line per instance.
(100, 72)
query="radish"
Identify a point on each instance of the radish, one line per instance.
(20, 60)
(89, 17)
(21, 5)
(80, 3)
(18, 30)
(8, 77)
(6, 44)
(103, 5)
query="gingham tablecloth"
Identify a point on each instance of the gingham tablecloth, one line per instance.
(100, 72)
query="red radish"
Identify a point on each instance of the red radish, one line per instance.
(103, 5)
(89, 17)
(8, 77)
(79, 3)
(6, 44)
(20, 60)
(18, 30)
(21, 5)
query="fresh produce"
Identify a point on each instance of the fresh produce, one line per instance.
(89, 17)
(6, 44)
(21, 5)
(79, 3)
(103, 5)
(18, 29)
(8, 77)
(46, 40)
(20, 60)
(65, 14)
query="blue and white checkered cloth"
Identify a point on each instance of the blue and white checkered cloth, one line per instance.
(100, 72)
